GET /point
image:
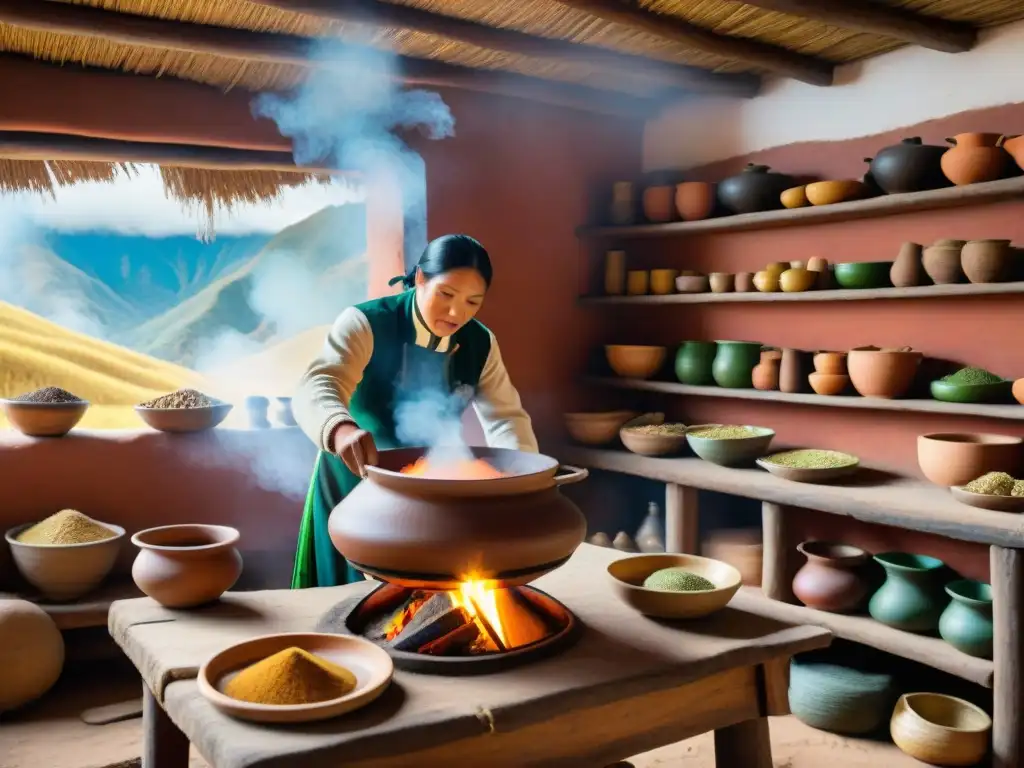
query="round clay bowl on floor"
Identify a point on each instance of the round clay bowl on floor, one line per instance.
(733, 451)
(839, 191)
(598, 428)
(184, 566)
(43, 419)
(828, 384)
(987, 500)
(647, 444)
(635, 362)
(863, 274)
(807, 475)
(628, 575)
(371, 665)
(184, 419)
(957, 458)
(847, 691)
(65, 572)
(939, 729)
(948, 392)
(885, 373)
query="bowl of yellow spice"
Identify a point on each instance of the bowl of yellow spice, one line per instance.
(994, 490)
(295, 677)
(65, 556)
(673, 586)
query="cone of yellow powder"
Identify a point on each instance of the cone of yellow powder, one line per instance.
(289, 677)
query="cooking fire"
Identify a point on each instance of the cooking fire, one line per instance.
(461, 469)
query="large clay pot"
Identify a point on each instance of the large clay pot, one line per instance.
(986, 261)
(966, 624)
(695, 200)
(831, 579)
(907, 270)
(765, 375)
(755, 189)
(909, 166)
(941, 262)
(885, 373)
(734, 363)
(911, 598)
(183, 566)
(791, 371)
(843, 692)
(975, 157)
(423, 532)
(658, 203)
(693, 363)
(31, 653)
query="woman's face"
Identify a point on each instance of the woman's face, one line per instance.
(450, 300)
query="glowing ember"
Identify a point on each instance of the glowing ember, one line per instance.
(473, 469)
(478, 599)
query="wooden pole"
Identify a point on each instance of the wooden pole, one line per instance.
(775, 571)
(682, 519)
(1006, 568)
(163, 743)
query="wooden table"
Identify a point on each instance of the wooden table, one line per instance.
(629, 685)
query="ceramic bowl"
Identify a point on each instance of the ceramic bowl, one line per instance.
(65, 572)
(810, 475)
(184, 419)
(722, 282)
(849, 692)
(692, 284)
(885, 373)
(633, 361)
(999, 392)
(663, 281)
(957, 458)
(647, 444)
(837, 191)
(598, 428)
(863, 274)
(43, 419)
(828, 383)
(729, 452)
(939, 729)
(628, 575)
(987, 500)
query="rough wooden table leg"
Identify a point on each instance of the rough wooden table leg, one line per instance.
(163, 744)
(1007, 578)
(776, 580)
(744, 745)
(681, 519)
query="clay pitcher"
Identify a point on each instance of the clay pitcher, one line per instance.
(766, 373)
(791, 378)
(832, 579)
(183, 566)
(907, 271)
(695, 200)
(975, 157)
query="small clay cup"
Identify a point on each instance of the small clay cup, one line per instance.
(744, 282)
(941, 262)
(986, 261)
(830, 362)
(663, 281)
(695, 200)
(721, 282)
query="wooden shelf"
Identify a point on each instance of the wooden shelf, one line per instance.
(866, 294)
(932, 651)
(872, 495)
(875, 207)
(88, 611)
(1006, 412)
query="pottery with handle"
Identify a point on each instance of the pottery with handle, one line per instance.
(911, 598)
(974, 158)
(832, 579)
(184, 566)
(966, 624)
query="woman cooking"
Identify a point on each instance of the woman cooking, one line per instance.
(380, 353)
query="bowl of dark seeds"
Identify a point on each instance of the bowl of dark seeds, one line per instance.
(186, 410)
(46, 412)
(810, 465)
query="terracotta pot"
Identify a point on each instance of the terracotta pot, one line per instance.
(744, 282)
(182, 566)
(907, 270)
(695, 200)
(1014, 145)
(721, 282)
(909, 166)
(791, 371)
(830, 362)
(832, 578)
(828, 384)
(658, 203)
(423, 532)
(885, 373)
(942, 263)
(986, 261)
(755, 189)
(956, 458)
(975, 157)
(766, 373)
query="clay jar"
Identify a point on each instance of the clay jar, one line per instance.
(941, 261)
(183, 566)
(658, 203)
(744, 282)
(693, 363)
(975, 157)
(832, 578)
(911, 598)
(885, 373)
(734, 363)
(423, 532)
(791, 371)
(909, 166)
(832, 363)
(966, 624)
(755, 189)
(906, 270)
(695, 200)
(986, 261)
(765, 375)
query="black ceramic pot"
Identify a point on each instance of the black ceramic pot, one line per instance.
(755, 189)
(909, 166)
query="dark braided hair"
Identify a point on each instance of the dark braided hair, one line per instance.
(446, 253)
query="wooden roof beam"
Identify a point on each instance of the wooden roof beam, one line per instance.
(391, 15)
(877, 19)
(772, 58)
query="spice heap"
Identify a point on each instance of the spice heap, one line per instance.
(996, 484)
(53, 395)
(972, 376)
(811, 458)
(291, 676)
(661, 430)
(66, 527)
(677, 580)
(183, 398)
(724, 432)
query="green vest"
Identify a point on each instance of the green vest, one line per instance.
(396, 363)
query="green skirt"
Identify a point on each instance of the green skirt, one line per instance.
(317, 562)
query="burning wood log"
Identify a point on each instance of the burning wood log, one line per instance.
(489, 629)
(412, 639)
(456, 642)
(519, 619)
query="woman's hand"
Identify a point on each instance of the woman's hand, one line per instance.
(355, 447)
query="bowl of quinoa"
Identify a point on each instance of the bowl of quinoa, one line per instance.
(729, 444)
(185, 410)
(45, 412)
(810, 465)
(994, 490)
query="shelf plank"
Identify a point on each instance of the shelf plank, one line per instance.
(88, 611)
(983, 410)
(932, 651)
(958, 290)
(872, 495)
(875, 207)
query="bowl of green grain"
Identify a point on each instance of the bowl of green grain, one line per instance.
(654, 439)
(729, 444)
(993, 490)
(673, 586)
(972, 385)
(810, 465)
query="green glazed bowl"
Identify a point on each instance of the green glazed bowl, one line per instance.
(948, 392)
(863, 274)
(730, 452)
